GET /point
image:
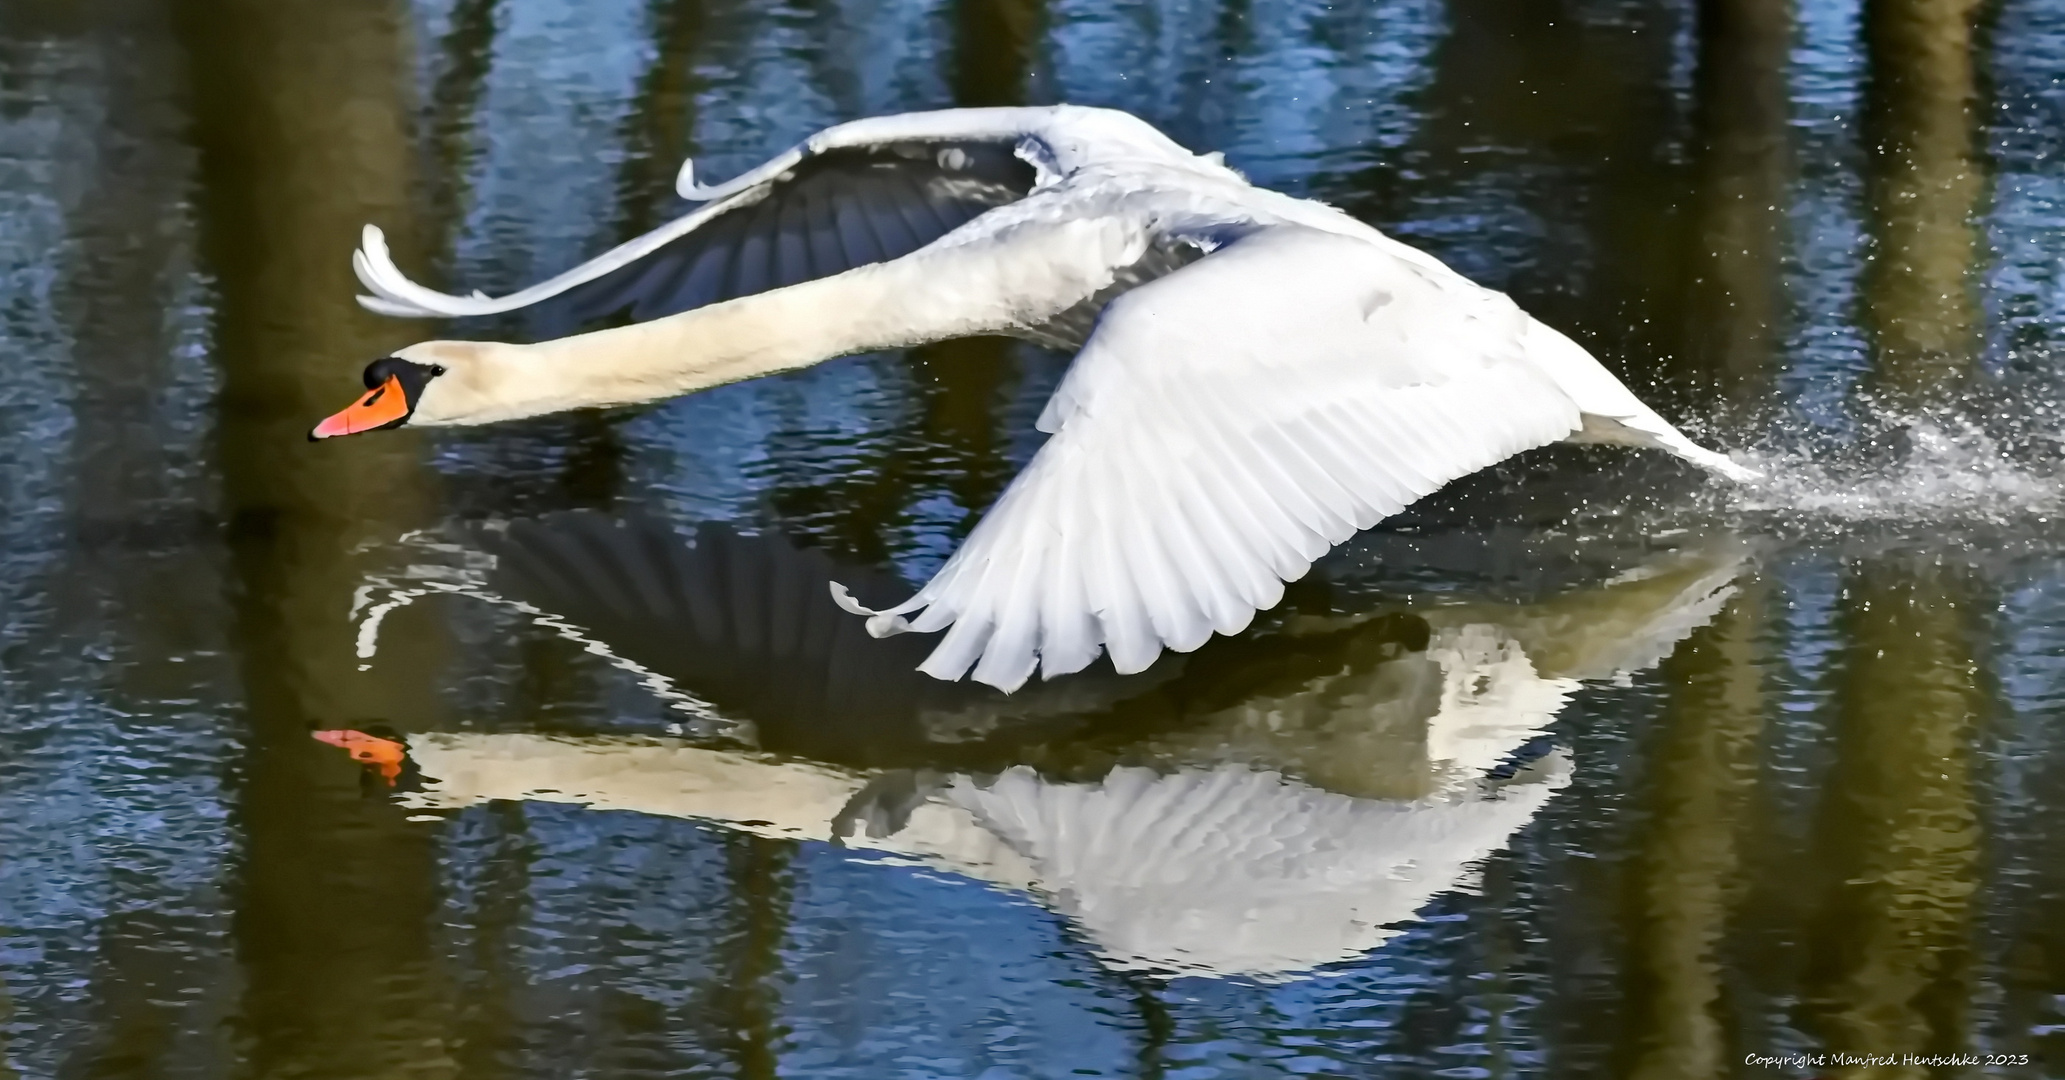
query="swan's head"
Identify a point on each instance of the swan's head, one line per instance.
(395, 390)
(436, 383)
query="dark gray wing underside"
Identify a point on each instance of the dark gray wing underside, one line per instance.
(834, 211)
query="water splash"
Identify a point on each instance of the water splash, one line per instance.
(1932, 470)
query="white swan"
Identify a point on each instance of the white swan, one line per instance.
(1259, 376)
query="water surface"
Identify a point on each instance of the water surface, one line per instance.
(1586, 767)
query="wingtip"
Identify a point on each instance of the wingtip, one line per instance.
(393, 294)
(843, 597)
(362, 268)
(685, 185)
(374, 266)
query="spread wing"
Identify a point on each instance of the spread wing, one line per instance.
(731, 619)
(1222, 428)
(856, 194)
(742, 622)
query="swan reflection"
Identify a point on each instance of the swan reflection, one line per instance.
(1288, 828)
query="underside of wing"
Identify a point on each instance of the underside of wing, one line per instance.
(829, 212)
(1222, 429)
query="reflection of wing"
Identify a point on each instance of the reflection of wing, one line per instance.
(739, 620)
(830, 212)
(1233, 871)
(1627, 625)
(1506, 680)
(742, 622)
(1485, 680)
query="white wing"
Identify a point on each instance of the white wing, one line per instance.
(1223, 428)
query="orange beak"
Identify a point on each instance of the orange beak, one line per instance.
(372, 751)
(383, 405)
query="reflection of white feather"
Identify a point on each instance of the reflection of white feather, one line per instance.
(1233, 871)
(1492, 701)
(1506, 678)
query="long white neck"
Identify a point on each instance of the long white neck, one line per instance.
(977, 288)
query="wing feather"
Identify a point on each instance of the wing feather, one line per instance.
(1170, 608)
(751, 263)
(1196, 582)
(1070, 623)
(1230, 465)
(856, 234)
(792, 243)
(1224, 589)
(703, 283)
(1120, 601)
(1248, 508)
(1335, 454)
(827, 254)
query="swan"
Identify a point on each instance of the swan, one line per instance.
(1257, 376)
(1294, 829)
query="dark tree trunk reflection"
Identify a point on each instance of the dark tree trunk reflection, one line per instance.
(750, 997)
(1902, 821)
(1901, 827)
(1683, 896)
(302, 129)
(1925, 189)
(995, 49)
(466, 53)
(660, 123)
(1734, 322)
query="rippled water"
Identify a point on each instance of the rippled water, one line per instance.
(1585, 767)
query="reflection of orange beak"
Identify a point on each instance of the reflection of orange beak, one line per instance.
(384, 405)
(372, 751)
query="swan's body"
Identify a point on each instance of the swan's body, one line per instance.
(1259, 376)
